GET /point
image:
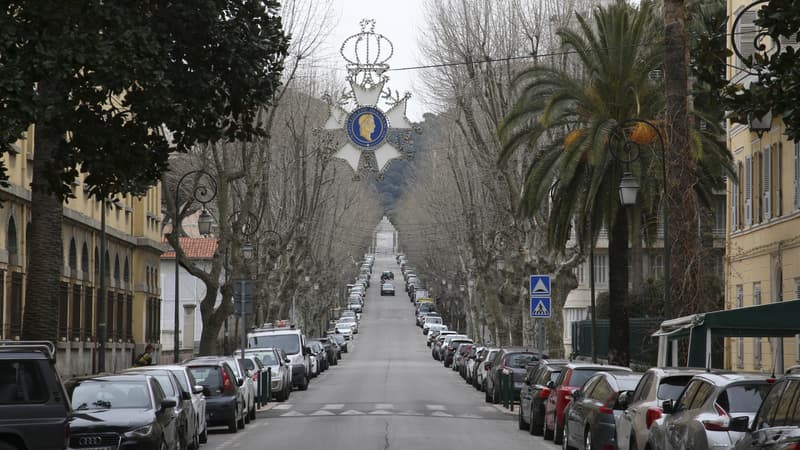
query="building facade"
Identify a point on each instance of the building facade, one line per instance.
(131, 260)
(763, 241)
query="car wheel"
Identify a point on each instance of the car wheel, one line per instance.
(587, 440)
(486, 397)
(196, 438)
(632, 445)
(565, 442)
(163, 446)
(204, 435)
(241, 422)
(558, 435)
(546, 432)
(521, 421)
(536, 427)
(233, 426)
(495, 396)
(304, 385)
(252, 415)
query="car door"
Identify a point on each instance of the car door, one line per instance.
(679, 425)
(525, 396)
(166, 418)
(635, 415)
(578, 410)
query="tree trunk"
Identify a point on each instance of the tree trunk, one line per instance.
(686, 285)
(213, 319)
(45, 250)
(618, 346)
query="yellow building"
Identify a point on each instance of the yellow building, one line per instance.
(132, 264)
(763, 242)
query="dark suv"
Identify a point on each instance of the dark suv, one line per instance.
(225, 402)
(34, 407)
(512, 360)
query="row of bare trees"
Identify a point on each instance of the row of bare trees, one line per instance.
(457, 220)
(305, 208)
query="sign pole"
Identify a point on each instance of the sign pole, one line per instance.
(540, 322)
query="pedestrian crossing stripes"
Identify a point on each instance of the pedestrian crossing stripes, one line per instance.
(289, 410)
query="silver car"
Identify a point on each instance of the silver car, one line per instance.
(481, 371)
(700, 418)
(644, 404)
(189, 384)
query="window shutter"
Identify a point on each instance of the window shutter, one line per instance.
(797, 175)
(777, 180)
(734, 205)
(748, 191)
(767, 177)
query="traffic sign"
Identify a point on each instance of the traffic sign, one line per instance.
(540, 286)
(540, 307)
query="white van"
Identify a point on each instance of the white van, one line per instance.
(292, 341)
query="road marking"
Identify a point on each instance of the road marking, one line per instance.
(333, 406)
(441, 414)
(410, 413)
(322, 412)
(384, 406)
(283, 406)
(469, 416)
(379, 412)
(351, 412)
(436, 407)
(487, 408)
(293, 414)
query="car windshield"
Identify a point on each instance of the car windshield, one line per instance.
(268, 358)
(289, 343)
(519, 360)
(110, 395)
(743, 398)
(421, 293)
(670, 388)
(433, 319)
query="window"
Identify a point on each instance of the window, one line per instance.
(748, 191)
(736, 196)
(787, 414)
(116, 268)
(75, 316)
(642, 389)
(757, 340)
(63, 310)
(777, 177)
(688, 395)
(703, 393)
(11, 242)
(126, 274)
(656, 265)
(85, 260)
(746, 36)
(73, 257)
(21, 382)
(767, 410)
(602, 392)
(600, 269)
(719, 216)
(766, 183)
(740, 341)
(758, 184)
(579, 273)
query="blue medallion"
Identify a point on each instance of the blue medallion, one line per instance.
(367, 127)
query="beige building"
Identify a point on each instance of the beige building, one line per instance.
(132, 266)
(763, 242)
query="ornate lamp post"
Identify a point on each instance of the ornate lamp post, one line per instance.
(633, 134)
(204, 190)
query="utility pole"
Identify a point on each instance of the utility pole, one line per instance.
(101, 294)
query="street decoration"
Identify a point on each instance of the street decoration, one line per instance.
(372, 117)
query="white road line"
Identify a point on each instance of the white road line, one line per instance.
(436, 407)
(283, 406)
(441, 414)
(334, 406)
(293, 414)
(379, 412)
(322, 412)
(351, 412)
(384, 406)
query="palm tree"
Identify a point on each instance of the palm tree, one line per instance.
(565, 117)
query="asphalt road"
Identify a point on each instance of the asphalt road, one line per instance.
(387, 393)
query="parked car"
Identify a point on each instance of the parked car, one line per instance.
(345, 329)
(187, 433)
(591, 417)
(320, 355)
(255, 370)
(387, 289)
(423, 316)
(513, 360)
(225, 403)
(777, 423)
(483, 367)
(459, 357)
(469, 364)
(34, 408)
(121, 411)
(280, 370)
(189, 384)
(572, 377)
(429, 321)
(248, 386)
(644, 404)
(443, 344)
(450, 350)
(436, 342)
(293, 342)
(433, 331)
(331, 350)
(701, 416)
(540, 376)
(350, 321)
(341, 341)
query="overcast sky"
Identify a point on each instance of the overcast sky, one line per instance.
(399, 21)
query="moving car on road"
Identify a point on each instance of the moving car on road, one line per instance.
(387, 289)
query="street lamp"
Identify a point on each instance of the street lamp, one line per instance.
(203, 191)
(634, 134)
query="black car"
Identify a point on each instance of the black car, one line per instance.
(225, 403)
(122, 411)
(514, 359)
(387, 275)
(450, 350)
(331, 349)
(34, 409)
(340, 341)
(776, 426)
(539, 378)
(590, 419)
(172, 389)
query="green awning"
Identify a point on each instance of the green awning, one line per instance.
(781, 319)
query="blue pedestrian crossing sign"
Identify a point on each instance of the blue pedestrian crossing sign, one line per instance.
(540, 307)
(540, 286)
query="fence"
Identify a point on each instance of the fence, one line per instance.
(643, 348)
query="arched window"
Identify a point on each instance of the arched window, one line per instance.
(107, 262)
(85, 258)
(96, 263)
(116, 267)
(73, 255)
(126, 274)
(12, 243)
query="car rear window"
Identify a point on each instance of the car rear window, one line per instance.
(519, 360)
(208, 376)
(670, 388)
(579, 376)
(21, 382)
(743, 398)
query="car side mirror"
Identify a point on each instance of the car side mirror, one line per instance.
(168, 403)
(206, 391)
(185, 395)
(488, 365)
(576, 394)
(198, 389)
(668, 407)
(623, 400)
(239, 381)
(551, 384)
(287, 360)
(740, 424)
(306, 351)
